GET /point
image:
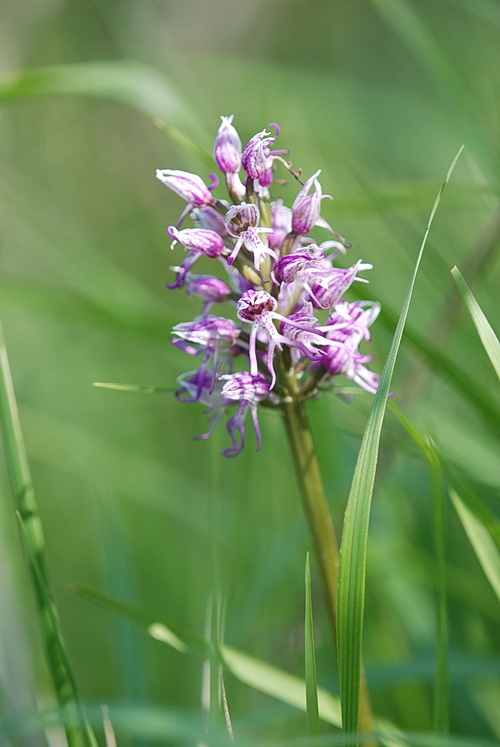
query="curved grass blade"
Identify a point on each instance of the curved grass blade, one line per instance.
(482, 512)
(132, 83)
(484, 328)
(261, 676)
(464, 383)
(481, 541)
(403, 19)
(78, 731)
(251, 671)
(352, 570)
(310, 657)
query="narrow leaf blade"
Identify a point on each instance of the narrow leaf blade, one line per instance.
(310, 658)
(484, 329)
(352, 570)
(138, 388)
(80, 732)
(481, 541)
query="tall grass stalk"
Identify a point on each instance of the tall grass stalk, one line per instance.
(78, 731)
(352, 568)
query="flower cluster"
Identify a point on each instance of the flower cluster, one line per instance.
(292, 330)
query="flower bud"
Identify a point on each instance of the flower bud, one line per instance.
(227, 150)
(208, 288)
(288, 267)
(281, 223)
(211, 331)
(267, 178)
(209, 217)
(201, 240)
(244, 386)
(256, 159)
(307, 207)
(188, 186)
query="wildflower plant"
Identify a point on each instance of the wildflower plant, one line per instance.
(285, 331)
(290, 332)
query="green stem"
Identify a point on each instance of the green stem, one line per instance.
(320, 524)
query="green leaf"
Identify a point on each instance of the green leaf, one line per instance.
(484, 328)
(78, 732)
(310, 659)
(481, 541)
(352, 570)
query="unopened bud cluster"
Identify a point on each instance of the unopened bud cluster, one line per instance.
(288, 329)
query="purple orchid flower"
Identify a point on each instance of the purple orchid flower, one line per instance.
(259, 307)
(198, 242)
(248, 390)
(242, 223)
(307, 207)
(190, 187)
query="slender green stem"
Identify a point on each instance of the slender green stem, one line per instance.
(320, 523)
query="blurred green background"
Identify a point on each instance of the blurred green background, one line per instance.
(379, 94)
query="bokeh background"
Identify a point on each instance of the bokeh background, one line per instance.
(379, 94)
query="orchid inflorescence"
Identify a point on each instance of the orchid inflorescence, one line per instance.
(293, 331)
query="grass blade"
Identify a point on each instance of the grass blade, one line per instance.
(484, 328)
(310, 657)
(78, 732)
(441, 677)
(129, 82)
(481, 541)
(139, 388)
(263, 677)
(352, 570)
(251, 671)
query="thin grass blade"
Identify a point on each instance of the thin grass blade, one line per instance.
(251, 671)
(481, 541)
(310, 659)
(79, 731)
(132, 83)
(484, 328)
(352, 570)
(479, 509)
(137, 388)
(441, 677)
(260, 675)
